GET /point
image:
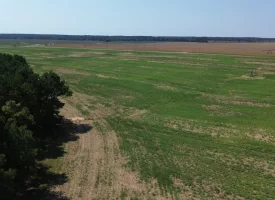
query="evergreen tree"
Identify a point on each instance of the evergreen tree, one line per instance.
(29, 105)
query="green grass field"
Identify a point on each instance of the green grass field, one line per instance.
(197, 124)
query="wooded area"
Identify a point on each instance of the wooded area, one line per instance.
(133, 38)
(29, 112)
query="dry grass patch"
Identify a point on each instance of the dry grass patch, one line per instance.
(129, 59)
(129, 97)
(210, 190)
(268, 63)
(212, 107)
(251, 78)
(199, 127)
(158, 56)
(189, 64)
(217, 110)
(105, 76)
(246, 77)
(135, 113)
(267, 166)
(260, 135)
(234, 101)
(65, 70)
(187, 191)
(207, 59)
(43, 54)
(85, 54)
(156, 61)
(224, 131)
(266, 70)
(146, 67)
(166, 87)
(126, 54)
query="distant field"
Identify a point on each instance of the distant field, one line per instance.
(166, 125)
(220, 48)
(267, 49)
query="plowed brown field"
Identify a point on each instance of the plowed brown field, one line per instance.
(224, 48)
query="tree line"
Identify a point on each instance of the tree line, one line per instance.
(132, 38)
(29, 112)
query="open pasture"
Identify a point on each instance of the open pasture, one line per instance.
(165, 125)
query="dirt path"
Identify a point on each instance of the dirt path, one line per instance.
(95, 166)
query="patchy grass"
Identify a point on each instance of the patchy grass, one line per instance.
(168, 125)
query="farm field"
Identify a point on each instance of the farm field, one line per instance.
(191, 47)
(165, 125)
(267, 48)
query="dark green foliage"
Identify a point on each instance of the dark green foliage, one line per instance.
(6, 180)
(19, 146)
(130, 38)
(200, 39)
(29, 104)
(50, 88)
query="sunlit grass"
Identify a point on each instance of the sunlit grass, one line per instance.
(198, 118)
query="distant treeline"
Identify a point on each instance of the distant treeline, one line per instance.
(132, 38)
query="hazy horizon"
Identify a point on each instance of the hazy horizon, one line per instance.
(140, 35)
(184, 18)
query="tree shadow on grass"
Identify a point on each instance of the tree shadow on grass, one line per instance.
(67, 131)
(44, 178)
(40, 186)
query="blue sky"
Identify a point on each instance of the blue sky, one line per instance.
(140, 17)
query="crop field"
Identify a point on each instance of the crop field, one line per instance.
(191, 47)
(164, 125)
(232, 48)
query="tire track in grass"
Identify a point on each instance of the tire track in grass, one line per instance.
(94, 163)
(82, 161)
(95, 166)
